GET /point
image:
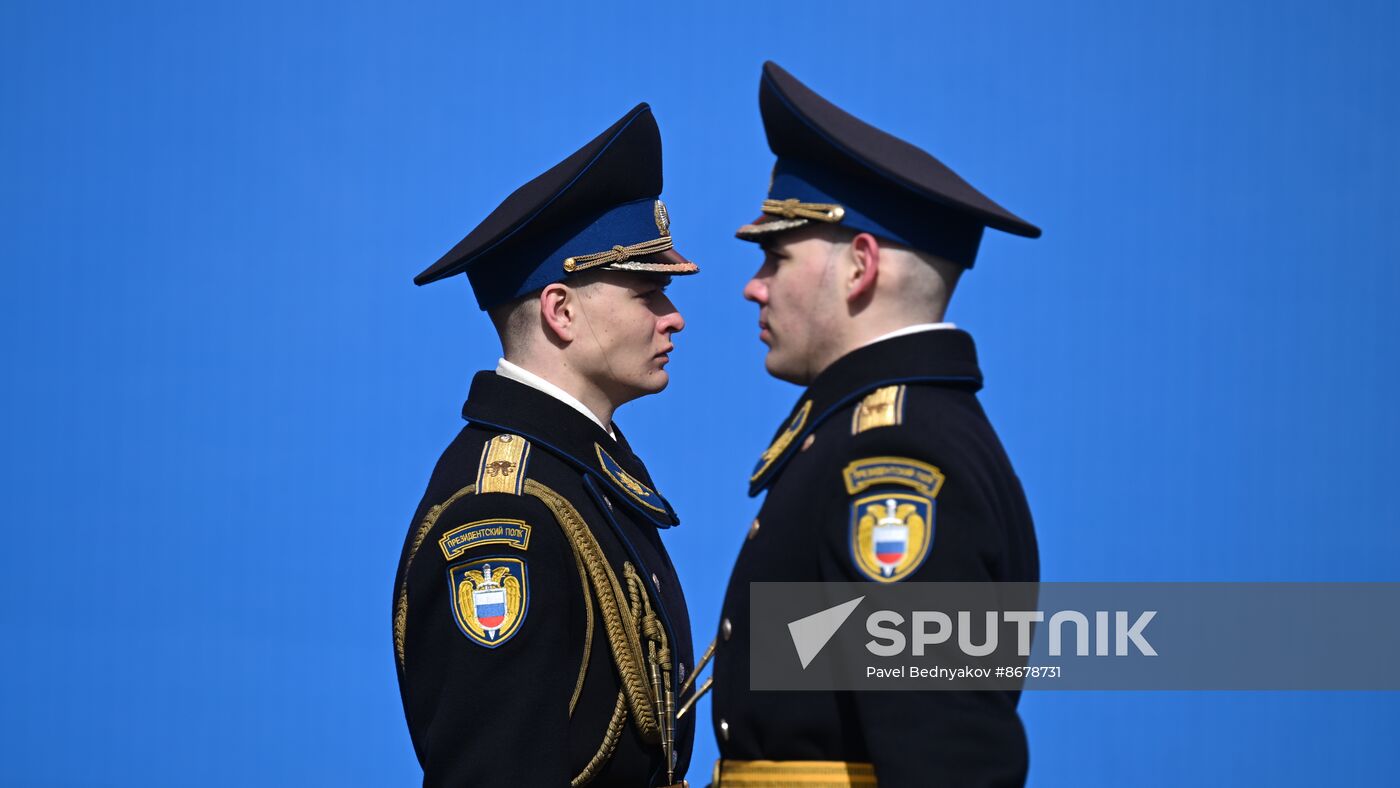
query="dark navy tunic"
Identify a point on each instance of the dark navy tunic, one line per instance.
(919, 391)
(496, 713)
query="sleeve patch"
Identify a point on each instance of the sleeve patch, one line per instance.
(490, 597)
(891, 534)
(883, 407)
(512, 533)
(502, 468)
(863, 474)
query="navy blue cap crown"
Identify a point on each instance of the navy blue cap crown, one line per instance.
(835, 168)
(598, 209)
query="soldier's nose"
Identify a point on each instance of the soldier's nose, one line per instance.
(756, 291)
(673, 323)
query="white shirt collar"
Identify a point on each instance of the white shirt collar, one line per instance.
(914, 329)
(519, 374)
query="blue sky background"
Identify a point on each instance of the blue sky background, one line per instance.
(224, 395)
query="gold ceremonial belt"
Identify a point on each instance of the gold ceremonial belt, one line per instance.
(792, 774)
(793, 209)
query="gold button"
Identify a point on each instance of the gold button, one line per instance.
(807, 444)
(724, 730)
(726, 629)
(753, 529)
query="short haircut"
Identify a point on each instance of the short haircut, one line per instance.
(514, 320)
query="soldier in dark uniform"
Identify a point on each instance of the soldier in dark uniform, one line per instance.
(539, 628)
(864, 237)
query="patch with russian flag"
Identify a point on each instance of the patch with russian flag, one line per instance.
(490, 597)
(891, 533)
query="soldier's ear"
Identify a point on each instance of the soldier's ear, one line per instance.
(864, 252)
(559, 312)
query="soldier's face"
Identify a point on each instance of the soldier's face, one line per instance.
(797, 297)
(630, 321)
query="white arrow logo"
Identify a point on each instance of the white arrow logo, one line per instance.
(811, 633)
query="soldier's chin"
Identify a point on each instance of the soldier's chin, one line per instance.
(784, 369)
(653, 382)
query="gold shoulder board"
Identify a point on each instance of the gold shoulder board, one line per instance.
(883, 407)
(502, 468)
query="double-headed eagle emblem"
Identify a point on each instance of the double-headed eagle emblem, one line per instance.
(890, 534)
(489, 599)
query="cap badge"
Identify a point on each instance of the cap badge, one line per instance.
(663, 218)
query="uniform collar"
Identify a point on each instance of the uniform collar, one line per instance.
(498, 402)
(913, 329)
(519, 374)
(945, 357)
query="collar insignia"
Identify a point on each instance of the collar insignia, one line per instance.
(624, 481)
(783, 441)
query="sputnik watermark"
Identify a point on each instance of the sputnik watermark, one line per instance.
(890, 641)
(1011, 636)
(932, 628)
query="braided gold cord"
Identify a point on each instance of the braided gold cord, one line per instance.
(659, 657)
(605, 750)
(617, 254)
(401, 608)
(626, 614)
(639, 605)
(795, 209)
(587, 633)
(617, 619)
